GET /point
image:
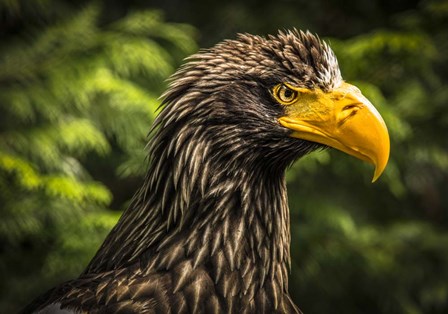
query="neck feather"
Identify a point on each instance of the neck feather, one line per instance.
(207, 204)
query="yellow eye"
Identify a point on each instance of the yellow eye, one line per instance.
(284, 94)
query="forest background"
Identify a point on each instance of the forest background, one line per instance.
(79, 87)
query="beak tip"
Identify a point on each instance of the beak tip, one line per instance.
(379, 169)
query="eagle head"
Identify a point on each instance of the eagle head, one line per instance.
(268, 101)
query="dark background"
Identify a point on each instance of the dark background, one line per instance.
(79, 83)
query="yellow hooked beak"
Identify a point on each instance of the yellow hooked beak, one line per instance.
(343, 119)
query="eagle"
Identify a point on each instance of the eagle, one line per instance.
(209, 230)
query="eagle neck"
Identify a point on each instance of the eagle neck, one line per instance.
(235, 219)
(236, 230)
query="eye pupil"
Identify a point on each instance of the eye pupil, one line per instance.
(287, 93)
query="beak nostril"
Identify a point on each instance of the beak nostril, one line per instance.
(348, 107)
(352, 106)
(348, 112)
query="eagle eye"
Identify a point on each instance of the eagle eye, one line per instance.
(284, 94)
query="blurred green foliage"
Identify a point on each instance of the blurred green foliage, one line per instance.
(77, 95)
(78, 90)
